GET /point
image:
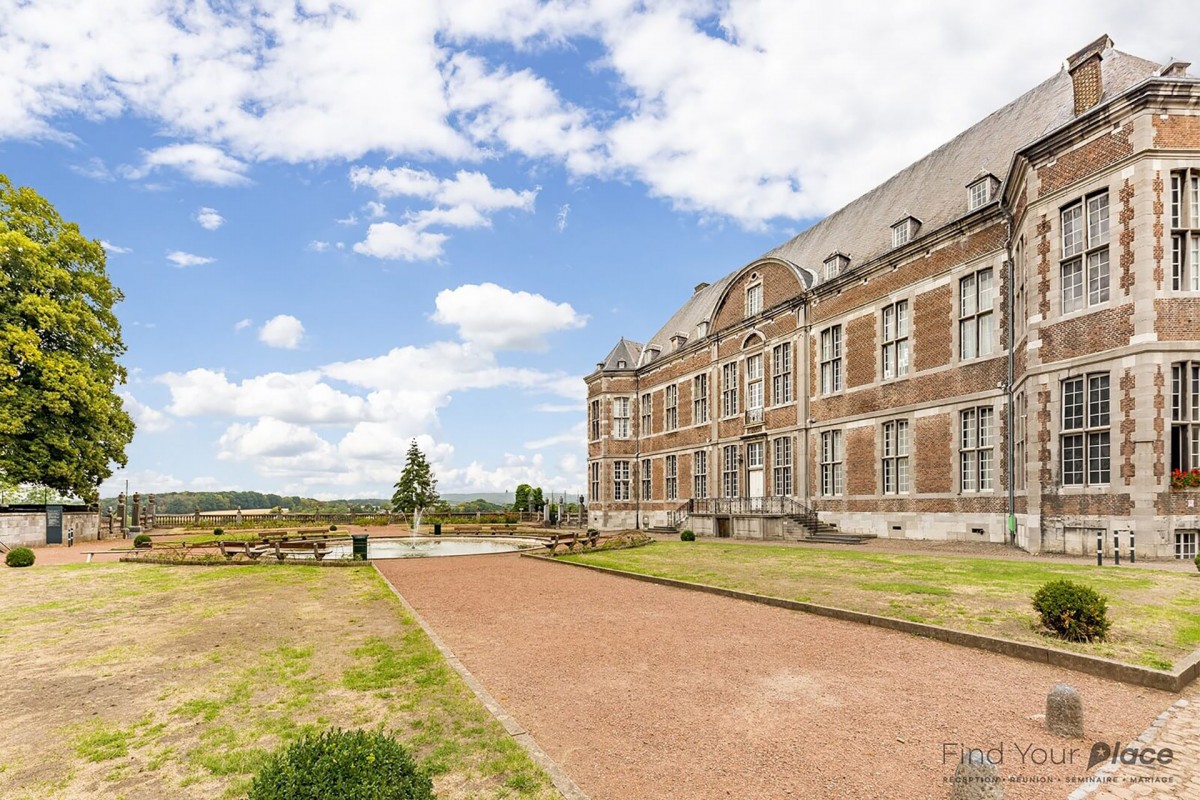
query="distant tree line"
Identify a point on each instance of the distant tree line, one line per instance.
(188, 502)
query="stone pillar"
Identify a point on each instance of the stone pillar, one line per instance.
(121, 506)
(196, 517)
(150, 514)
(976, 778)
(1064, 712)
(136, 527)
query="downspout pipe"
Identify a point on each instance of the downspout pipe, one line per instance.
(1011, 521)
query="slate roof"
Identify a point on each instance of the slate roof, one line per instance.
(626, 351)
(933, 189)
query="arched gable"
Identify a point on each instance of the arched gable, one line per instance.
(779, 281)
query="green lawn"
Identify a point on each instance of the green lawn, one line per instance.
(136, 681)
(1155, 613)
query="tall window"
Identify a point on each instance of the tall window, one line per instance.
(1020, 300)
(781, 374)
(621, 417)
(672, 477)
(831, 463)
(978, 193)
(895, 340)
(754, 455)
(647, 406)
(1019, 465)
(620, 480)
(700, 474)
(1085, 435)
(1085, 253)
(671, 414)
(754, 297)
(975, 295)
(1185, 415)
(754, 388)
(782, 466)
(831, 360)
(699, 399)
(594, 414)
(895, 457)
(1185, 230)
(729, 389)
(976, 449)
(594, 470)
(729, 470)
(647, 485)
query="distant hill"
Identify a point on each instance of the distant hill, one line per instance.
(187, 502)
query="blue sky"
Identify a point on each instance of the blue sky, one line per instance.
(340, 226)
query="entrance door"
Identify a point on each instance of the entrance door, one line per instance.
(756, 489)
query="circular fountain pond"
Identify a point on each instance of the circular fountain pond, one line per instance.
(422, 547)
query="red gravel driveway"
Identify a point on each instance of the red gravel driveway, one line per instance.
(645, 691)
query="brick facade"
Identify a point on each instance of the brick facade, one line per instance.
(1089, 377)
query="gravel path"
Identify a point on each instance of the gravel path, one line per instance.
(645, 691)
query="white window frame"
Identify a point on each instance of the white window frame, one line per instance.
(647, 477)
(646, 406)
(1087, 432)
(621, 418)
(754, 388)
(729, 389)
(594, 426)
(700, 474)
(832, 474)
(781, 374)
(671, 477)
(700, 399)
(729, 470)
(977, 449)
(1185, 414)
(895, 471)
(979, 193)
(1085, 271)
(754, 300)
(893, 321)
(621, 481)
(671, 407)
(781, 467)
(976, 315)
(594, 480)
(1185, 230)
(831, 360)
(1185, 545)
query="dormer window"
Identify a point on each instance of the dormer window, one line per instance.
(701, 330)
(981, 190)
(905, 230)
(754, 298)
(678, 340)
(621, 364)
(836, 264)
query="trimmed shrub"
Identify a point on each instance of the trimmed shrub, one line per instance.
(688, 535)
(19, 557)
(1072, 611)
(141, 540)
(218, 531)
(333, 527)
(339, 763)
(1198, 561)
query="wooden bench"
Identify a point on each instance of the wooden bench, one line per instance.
(318, 547)
(571, 539)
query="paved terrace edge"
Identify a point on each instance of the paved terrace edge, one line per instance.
(558, 776)
(1174, 681)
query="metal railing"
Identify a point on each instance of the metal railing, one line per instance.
(752, 506)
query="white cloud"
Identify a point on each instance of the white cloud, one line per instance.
(147, 419)
(200, 162)
(375, 209)
(318, 246)
(464, 201)
(242, 324)
(269, 438)
(209, 219)
(348, 220)
(500, 319)
(560, 219)
(182, 259)
(574, 436)
(95, 168)
(298, 397)
(388, 240)
(109, 247)
(558, 408)
(283, 331)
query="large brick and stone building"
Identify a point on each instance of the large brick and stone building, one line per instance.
(1000, 343)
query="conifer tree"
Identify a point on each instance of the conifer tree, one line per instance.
(416, 490)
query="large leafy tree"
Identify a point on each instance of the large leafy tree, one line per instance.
(417, 488)
(62, 424)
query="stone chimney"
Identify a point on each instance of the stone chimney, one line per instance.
(1084, 68)
(1175, 69)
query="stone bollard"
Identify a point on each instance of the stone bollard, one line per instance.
(976, 778)
(1064, 712)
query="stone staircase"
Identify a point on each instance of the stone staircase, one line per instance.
(812, 529)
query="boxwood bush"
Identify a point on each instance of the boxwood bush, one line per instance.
(688, 535)
(141, 540)
(19, 557)
(1198, 561)
(346, 764)
(1072, 611)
